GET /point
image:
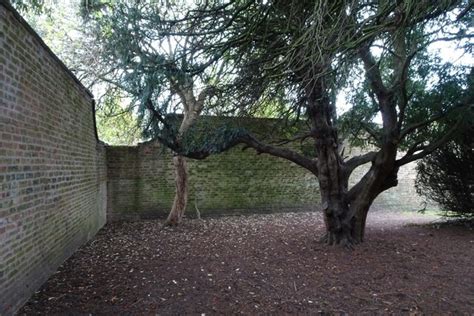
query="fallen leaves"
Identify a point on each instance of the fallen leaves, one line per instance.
(261, 264)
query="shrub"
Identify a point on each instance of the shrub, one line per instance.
(447, 176)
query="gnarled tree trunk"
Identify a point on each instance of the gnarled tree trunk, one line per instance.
(333, 180)
(346, 217)
(192, 110)
(345, 211)
(333, 188)
(181, 197)
(181, 178)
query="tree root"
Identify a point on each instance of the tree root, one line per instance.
(345, 241)
(323, 239)
(171, 223)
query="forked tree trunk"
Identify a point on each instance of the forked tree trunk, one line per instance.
(345, 222)
(345, 213)
(181, 196)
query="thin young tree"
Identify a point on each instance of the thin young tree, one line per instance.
(146, 54)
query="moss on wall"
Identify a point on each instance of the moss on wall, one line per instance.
(141, 183)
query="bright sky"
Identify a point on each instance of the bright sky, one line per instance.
(447, 51)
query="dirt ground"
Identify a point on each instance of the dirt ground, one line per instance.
(265, 264)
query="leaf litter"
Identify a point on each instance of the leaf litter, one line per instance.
(264, 264)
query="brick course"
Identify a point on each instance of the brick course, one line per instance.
(52, 167)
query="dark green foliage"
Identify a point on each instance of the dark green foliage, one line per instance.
(263, 57)
(435, 89)
(116, 125)
(447, 176)
(212, 134)
(211, 141)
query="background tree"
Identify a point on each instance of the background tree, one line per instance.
(59, 24)
(30, 6)
(145, 54)
(116, 123)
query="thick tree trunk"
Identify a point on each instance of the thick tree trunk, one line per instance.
(345, 222)
(333, 186)
(345, 212)
(346, 225)
(381, 176)
(333, 180)
(360, 209)
(181, 197)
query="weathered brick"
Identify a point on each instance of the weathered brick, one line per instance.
(48, 146)
(141, 183)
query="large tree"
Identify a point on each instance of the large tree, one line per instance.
(299, 54)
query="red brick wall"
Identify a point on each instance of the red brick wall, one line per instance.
(52, 168)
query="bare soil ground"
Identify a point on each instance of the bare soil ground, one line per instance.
(265, 264)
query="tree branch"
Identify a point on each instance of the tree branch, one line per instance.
(415, 153)
(465, 10)
(310, 164)
(207, 92)
(409, 129)
(464, 103)
(370, 131)
(386, 103)
(252, 142)
(373, 72)
(302, 138)
(357, 161)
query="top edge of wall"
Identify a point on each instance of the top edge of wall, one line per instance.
(147, 143)
(9, 7)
